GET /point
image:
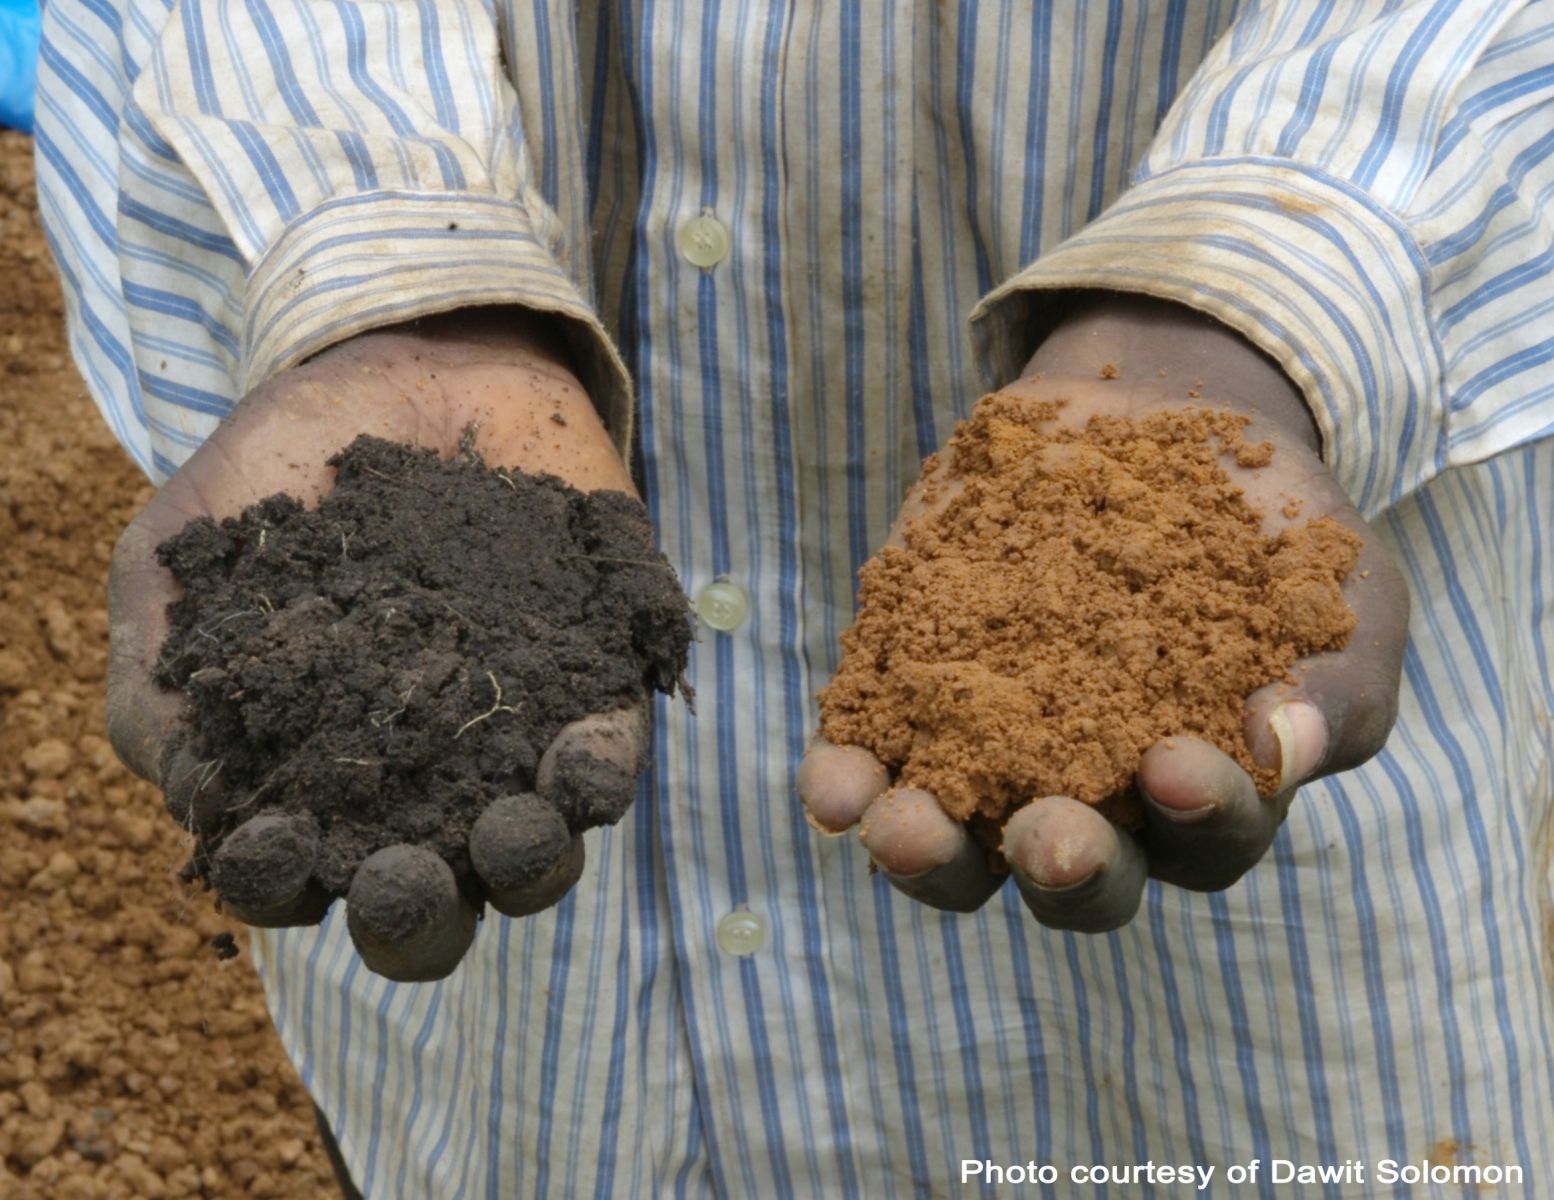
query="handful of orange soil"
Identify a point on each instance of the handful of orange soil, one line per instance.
(1087, 593)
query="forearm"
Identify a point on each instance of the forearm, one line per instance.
(507, 372)
(1387, 265)
(261, 209)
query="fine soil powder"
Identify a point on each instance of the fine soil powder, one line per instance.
(397, 658)
(1086, 593)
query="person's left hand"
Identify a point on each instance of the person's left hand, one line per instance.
(1205, 823)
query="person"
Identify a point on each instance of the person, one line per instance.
(739, 244)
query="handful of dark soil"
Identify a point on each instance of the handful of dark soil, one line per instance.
(1088, 593)
(396, 659)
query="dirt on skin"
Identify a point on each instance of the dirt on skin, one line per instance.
(133, 1063)
(1088, 593)
(399, 657)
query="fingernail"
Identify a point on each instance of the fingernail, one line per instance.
(1041, 881)
(821, 828)
(907, 834)
(836, 785)
(901, 877)
(915, 857)
(1185, 816)
(1054, 872)
(1301, 731)
(1176, 814)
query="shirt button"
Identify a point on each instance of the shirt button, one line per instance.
(741, 933)
(722, 605)
(704, 241)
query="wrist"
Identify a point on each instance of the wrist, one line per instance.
(1148, 341)
(505, 372)
(488, 366)
(472, 336)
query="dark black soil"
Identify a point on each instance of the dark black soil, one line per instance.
(399, 657)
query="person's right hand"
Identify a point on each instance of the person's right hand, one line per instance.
(423, 385)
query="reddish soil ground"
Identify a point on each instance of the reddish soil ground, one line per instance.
(133, 1063)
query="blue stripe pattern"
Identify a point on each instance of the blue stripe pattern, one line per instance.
(1361, 187)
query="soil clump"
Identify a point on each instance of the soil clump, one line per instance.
(1086, 593)
(399, 657)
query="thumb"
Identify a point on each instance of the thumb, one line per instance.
(140, 713)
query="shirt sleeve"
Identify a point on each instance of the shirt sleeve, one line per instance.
(232, 185)
(1360, 190)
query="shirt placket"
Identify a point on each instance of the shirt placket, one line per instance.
(713, 362)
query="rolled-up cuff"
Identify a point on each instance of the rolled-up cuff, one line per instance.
(380, 258)
(1310, 270)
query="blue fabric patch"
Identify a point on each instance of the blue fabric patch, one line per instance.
(20, 21)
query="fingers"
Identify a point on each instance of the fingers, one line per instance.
(406, 915)
(837, 783)
(1074, 868)
(180, 775)
(933, 491)
(524, 853)
(1352, 693)
(263, 871)
(925, 853)
(589, 773)
(1287, 734)
(1205, 824)
(192, 788)
(1354, 689)
(139, 712)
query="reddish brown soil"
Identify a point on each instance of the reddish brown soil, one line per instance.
(133, 1063)
(1086, 593)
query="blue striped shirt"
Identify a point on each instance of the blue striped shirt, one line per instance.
(1361, 187)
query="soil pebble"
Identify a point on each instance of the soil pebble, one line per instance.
(1085, 594)
(382, 667)
(120, 1034)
